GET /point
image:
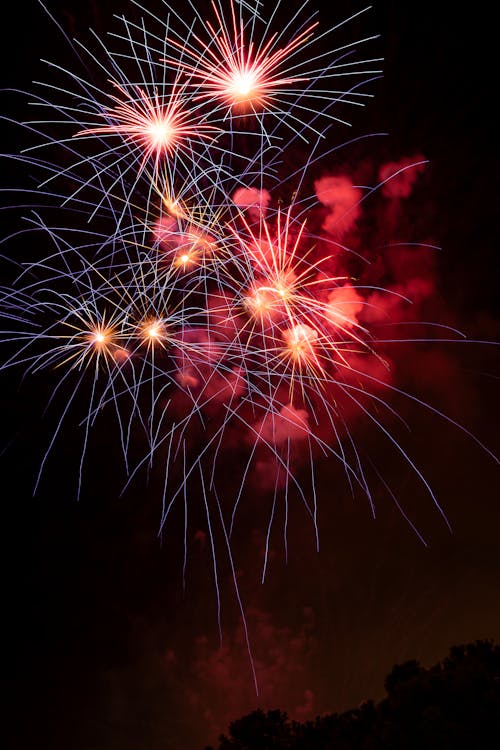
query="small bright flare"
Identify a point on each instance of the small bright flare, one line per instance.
(101, 337)
(161, 135)
(243, 85)
(300, 341)
(269, 299)
(194, 246)
(183, 260)
(153, 331)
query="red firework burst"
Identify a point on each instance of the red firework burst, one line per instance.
(158, 125)
(236, 71)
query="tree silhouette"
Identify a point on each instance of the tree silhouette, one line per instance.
(453, 705)
(259, 731)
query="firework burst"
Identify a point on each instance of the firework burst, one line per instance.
(205, 314)
(241, 68)
(157, 128)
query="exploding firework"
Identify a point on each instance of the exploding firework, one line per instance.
(241, 67)
(157, 128)
(182, 293)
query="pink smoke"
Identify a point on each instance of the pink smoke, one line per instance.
(343, 199)
(405, 171)
(254, 200)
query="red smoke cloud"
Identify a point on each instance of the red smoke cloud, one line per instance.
(405, 171)
(343, 199)
(222, 690)
(253, 200)
(385, 300)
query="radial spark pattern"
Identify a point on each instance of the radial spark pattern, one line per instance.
(190, 286)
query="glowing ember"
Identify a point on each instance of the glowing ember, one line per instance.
(300, 341)
(153, 331)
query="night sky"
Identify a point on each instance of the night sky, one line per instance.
(104, 648)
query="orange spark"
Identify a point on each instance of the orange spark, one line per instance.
(300, 341)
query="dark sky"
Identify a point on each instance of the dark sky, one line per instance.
(104, 649)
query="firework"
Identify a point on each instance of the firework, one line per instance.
(180, 293)
(238, 66)
(157, 128)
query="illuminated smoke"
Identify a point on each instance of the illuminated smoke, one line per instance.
(339, 195)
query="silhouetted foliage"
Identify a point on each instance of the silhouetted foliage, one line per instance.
(453, 705)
